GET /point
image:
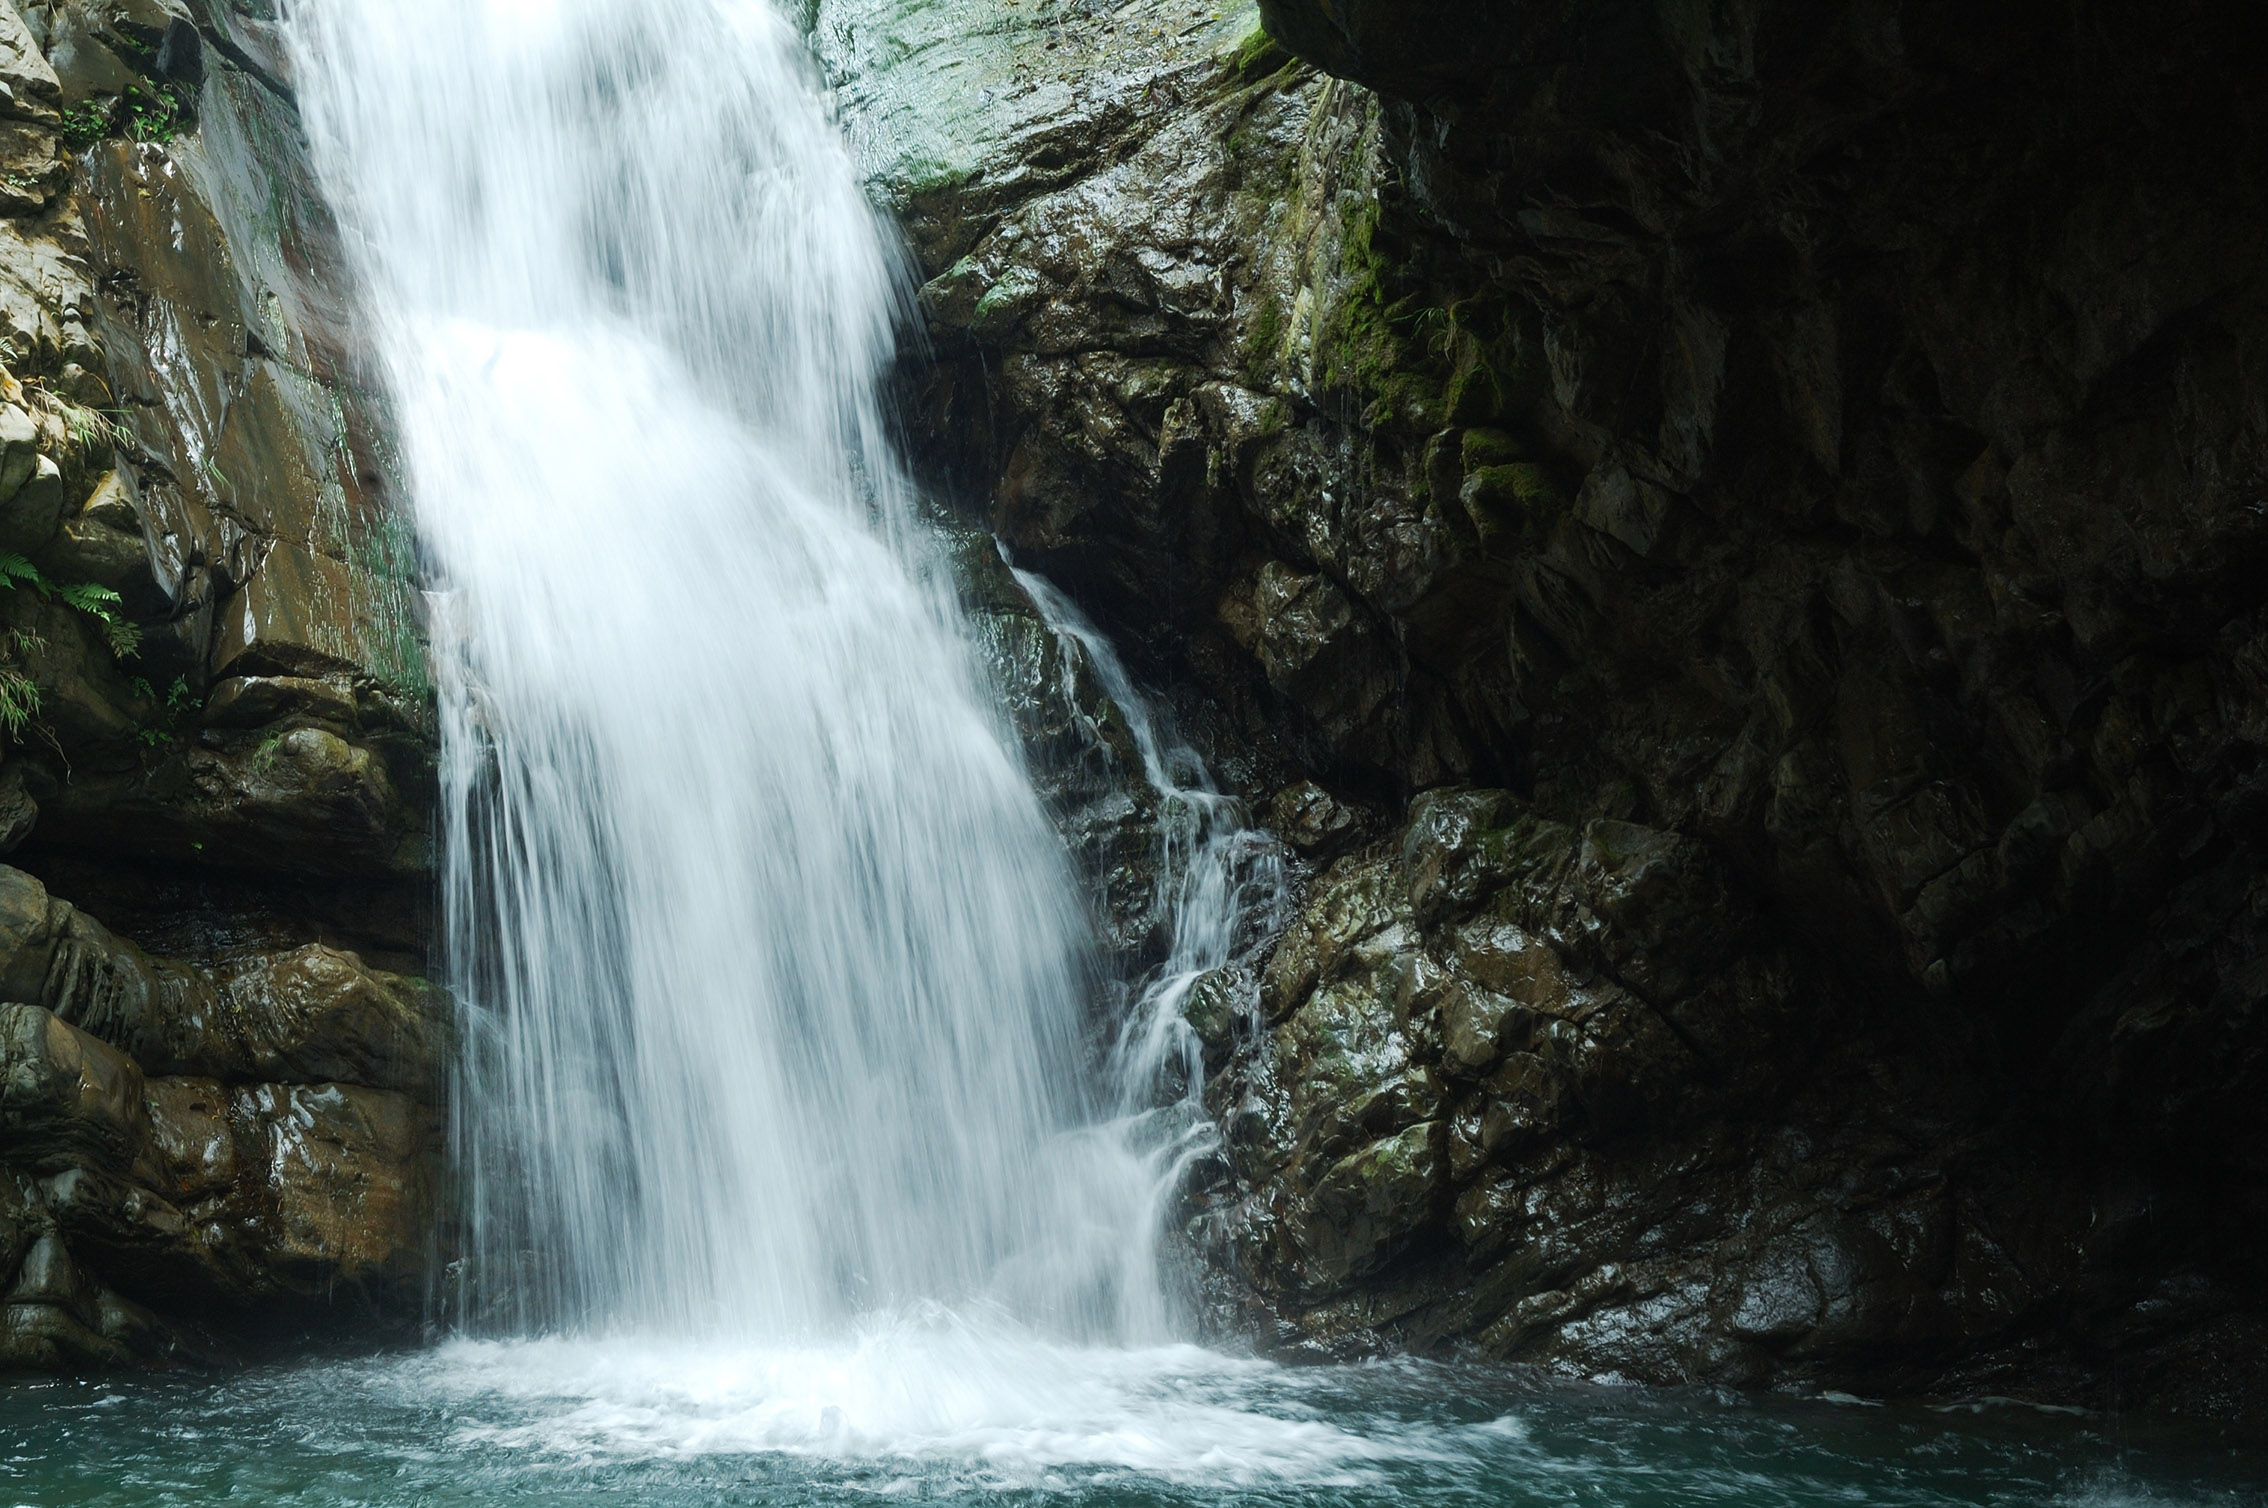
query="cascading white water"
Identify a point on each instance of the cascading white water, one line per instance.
(770, 1129)
(768, 960)
(1223, 889)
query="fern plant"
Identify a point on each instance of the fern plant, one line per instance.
(19, 693)
(178, 706)
(97, 602)
(106, 608)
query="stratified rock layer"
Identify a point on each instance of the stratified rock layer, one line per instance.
(179, 1157)
(214, 721)
(1794, 471)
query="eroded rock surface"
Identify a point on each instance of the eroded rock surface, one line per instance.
(1798, 461)
(192, 450)
(194, 1156)
(214, 719)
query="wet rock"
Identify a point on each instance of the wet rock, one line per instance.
(1078, 747)
(31, 85)
(285, 800)
(140, 1239)
(66, 1096)
(1218, 1009)
(180, 53)
(1524, 1116)
(312, 1014)
(1372, 1201)
(19, 813)
(1314, 821)
(31, 493)
(318, 1015)
(1835, 654)
(55, 1317)
(102, 543)
(261, 701)
(192, 1144)
(191, 493)
(348, 1184)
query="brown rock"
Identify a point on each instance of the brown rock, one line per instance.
(66, 1096)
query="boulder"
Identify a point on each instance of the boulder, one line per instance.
(349, 1188)
(66, 1097)
(317, 1015)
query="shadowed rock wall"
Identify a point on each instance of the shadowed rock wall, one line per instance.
(1779, 486)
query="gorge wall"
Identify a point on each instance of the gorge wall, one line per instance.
(1730, 535)
(219, 1122)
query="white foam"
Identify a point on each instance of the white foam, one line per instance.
(929, 1392)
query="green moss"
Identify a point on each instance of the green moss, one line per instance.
(1371, 347)
(1516, 501)
(387, 553)
(1473, 395)
(1263, 339)
(1259, 56)
(1005, 305)
(1483, 448)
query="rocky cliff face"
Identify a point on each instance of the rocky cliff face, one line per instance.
(1728, 536)
(1734, 532)
(216, 733)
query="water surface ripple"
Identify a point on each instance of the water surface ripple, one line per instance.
(928, 1408)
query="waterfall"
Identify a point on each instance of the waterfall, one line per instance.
(1223, 890)
(768, 963)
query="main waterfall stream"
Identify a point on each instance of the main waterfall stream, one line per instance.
(769, 960)
(787, 1175)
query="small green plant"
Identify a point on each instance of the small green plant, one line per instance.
(264, 757)
(151, 113)
(97, 602)
(157, 115)
(87, 122)
(176, 708)
(91, 429)
(19, 693)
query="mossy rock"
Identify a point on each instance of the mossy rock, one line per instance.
(1513, 501)
(1259, 57)
(1484, 448)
